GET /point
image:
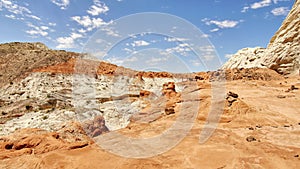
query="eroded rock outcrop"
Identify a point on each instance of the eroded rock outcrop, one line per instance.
(246, 58)
(38, 141)
(282, 53)
(95, 127)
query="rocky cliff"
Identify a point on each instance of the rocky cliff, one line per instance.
(283, 52)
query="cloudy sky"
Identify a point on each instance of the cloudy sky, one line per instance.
(68, 24)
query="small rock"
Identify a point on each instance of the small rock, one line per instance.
(281, 96)
(144, 93)
(297, 155)
(251, 128)
(197, 77)
(250, 139)
(170, 110)
(95, 127)
(294, 88)
(231, 97)
(234, 95)
(286, 125)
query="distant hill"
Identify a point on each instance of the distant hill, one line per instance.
(17, 59)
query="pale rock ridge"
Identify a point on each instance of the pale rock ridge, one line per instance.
(246, 58)
(282, 53)
(47, 101)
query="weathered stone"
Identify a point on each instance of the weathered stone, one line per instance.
(250, 139)
(282, 53)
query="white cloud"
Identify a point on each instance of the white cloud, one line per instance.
(76, 35)
(11, 16)
(182, 48)
(207, 49)
(221, 24)
(245, 9)
(97, 22)
(171, 39)
(83, 21)
(214, 30)
(205, 36)
(68, 42)
(34, 17)
(44, 27)
(140, 43)
(82, 30)
(115, 60)
(36, 30)
(261, 4)
(109, 31)
(52, 24)
(127, 50)
(98, 8)
(61, 3)
(224, 24)
(17, 11)
(280, 11)
(276, 1)
(65, 42)
(89, 23)
(14, 8)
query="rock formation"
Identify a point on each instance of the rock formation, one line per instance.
(246, 58)
(45, 122)
(282, 53)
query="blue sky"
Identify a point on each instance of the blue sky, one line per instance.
(67, 24)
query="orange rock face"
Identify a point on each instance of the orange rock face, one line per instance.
(37, 141)
(95, 127)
